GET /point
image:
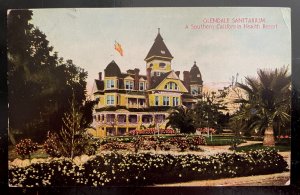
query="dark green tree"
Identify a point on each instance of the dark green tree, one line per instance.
(40, 83)
(182, 119)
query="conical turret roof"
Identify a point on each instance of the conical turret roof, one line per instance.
(195, 75)
(159, 49)
(112, 69)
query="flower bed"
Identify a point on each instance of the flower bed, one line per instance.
(114, 169)
(206, 130)
(151, 131)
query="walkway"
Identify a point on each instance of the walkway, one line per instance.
(276, 179)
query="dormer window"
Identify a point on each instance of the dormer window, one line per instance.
(110, 84)
(162, 52)
(171, 86)
(142, 86)
(198, 75)
(129, 85)
(162, 65)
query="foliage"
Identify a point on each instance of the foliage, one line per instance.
(268, 102)
(26, 147)
(182, 119)
(117, 169)
(74, 140)
(40, 82)
(209, 113)
(197, 141)
(151, 131)
(279, 147)
(111, 146)
(206, 130)
(51, 145)
(137, 143)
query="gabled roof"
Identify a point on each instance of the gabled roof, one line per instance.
(156, 80)
(99, 85)
(159, 48)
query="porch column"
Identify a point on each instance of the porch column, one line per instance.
(127, 120)
(153, 118)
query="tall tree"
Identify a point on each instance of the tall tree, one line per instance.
(268, 102)
(210, 111)
(40, 83)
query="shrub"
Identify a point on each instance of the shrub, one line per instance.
(206, 130)
(26, 147)
(197, 141)
(117, 169)
(151, 131)
(114, 146)
(137, 143)
(50, 145)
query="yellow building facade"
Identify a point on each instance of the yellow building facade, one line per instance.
(130, 100)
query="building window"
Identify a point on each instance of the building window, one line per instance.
(162, 65)
(110, 84)
(171, 86)
(129, 85)
(110, 100)
(194, 90)
(142, 86)
(175, 101)
(166, 101)
(156, 101)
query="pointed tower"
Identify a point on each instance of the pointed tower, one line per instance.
(196, 82)
(159, 57)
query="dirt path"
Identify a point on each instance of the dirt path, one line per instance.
(276, 179)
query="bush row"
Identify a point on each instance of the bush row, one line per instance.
(151, 131)
(153, 142)
(117, 169)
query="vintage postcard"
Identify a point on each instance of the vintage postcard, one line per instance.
(149, 97)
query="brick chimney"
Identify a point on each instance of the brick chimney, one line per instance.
(177, 73)
(186, 79)
(100, 76)
(149, 77)
(136, 78)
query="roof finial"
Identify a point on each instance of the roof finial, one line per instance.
(194, 62)
(158, 30)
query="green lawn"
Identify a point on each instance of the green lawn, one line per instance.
(40, 153)
(281, 148)
(221, 140)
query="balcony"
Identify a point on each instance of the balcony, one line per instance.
(136, 103)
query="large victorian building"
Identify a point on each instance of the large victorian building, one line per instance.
(128, 101)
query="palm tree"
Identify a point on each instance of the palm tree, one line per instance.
(268, 102)
(182, 119)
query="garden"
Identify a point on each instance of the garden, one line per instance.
(136, 161)
(127, 169)
(49, 144)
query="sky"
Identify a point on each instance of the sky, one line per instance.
(87, 36)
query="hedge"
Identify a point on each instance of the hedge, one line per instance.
(119, 169)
